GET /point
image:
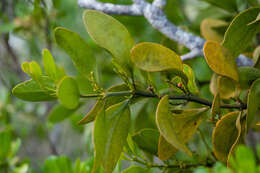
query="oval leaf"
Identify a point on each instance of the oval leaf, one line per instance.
(165, 150)
(225, 135)
(49, 64)
(109, 33)
(247, 75)
(220, 60)
(77, 48)
(31, 90)
(68, 92)
(154, 57)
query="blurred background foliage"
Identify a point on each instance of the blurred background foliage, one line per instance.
(27, 137)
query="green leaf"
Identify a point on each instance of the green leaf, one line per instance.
(77, 48)
(35, 70)
(253, 103)
(136, 169)
(68, 92)
(247, 75)
(191, 79)
(31, 90)
(60, 113)
(229, 5)
(26, 68)
(147, 140)
(49, 64)
(225, 135)
(154, 57)
(91, 115)
(239, 34)
(220, 60)
(178, 127)
(110, 34)
(5, 145)
(59, 164)
(110, 134)
(165, 149)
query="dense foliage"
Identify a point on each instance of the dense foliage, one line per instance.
(151, 109)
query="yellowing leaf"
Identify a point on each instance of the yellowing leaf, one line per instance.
(110, 134)
(110, 34)
(239, 34)
(68, 92)
(77, 49)
(220, 60)
(225, 135)
(154, 57)
(207, 29)
(165, 150)
(178, 127)
(253, 103)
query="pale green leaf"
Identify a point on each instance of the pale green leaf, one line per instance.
(49, 64)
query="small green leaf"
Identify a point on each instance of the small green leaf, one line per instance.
(165, 149)
(154, 57)
(60, 113)
(31, 90)
(68, 92)
(191, 79)
(110, 134)
(26, 68)
(77, 48)
(35, 70)
(178, 127)
(136, 169)
(49, 64)
(91, 115)
(147, 140)
(253, 103)
(110, 34)
(239, 34)
(225, 135)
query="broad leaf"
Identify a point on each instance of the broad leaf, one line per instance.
(49, 64)
(147, 140)
(154, 57)
(110, 34)
(220, 60)
(239, 34)
(247, 75)
(110, 134)
(207, 29)
(68, 92)
(60, 113)
(229, 5)
(225, 135)
(77, 48)
(165, 149)
(91, 115)
(178, 127)
(253, 103)
(31, 90)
